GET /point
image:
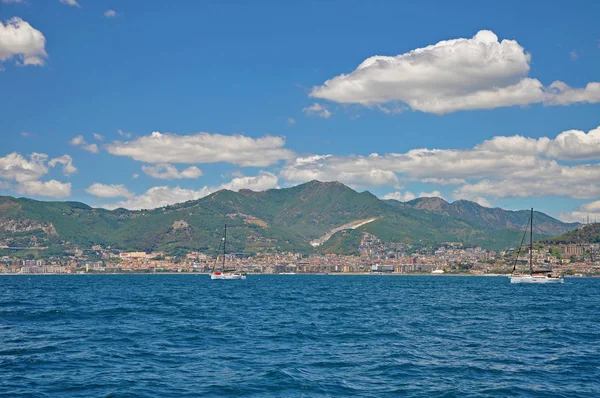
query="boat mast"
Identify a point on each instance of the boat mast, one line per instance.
(224, 242)
(531, 243)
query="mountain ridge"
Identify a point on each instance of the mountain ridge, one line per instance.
(286, 219)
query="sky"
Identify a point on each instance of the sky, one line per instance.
(119, 104)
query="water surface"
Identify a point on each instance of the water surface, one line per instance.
(297, 335)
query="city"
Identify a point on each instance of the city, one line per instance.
(376, 257)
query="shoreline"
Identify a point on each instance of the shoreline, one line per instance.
(263, 274)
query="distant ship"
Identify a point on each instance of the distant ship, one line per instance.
(539, 276)
(223, 273)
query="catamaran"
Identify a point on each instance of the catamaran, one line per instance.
(223, 273)
(539, 276)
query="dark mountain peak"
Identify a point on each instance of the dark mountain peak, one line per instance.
(466, 204)
(323, 184)
(434, 204)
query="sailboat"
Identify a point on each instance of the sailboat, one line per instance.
(225, 274)
(533, 276)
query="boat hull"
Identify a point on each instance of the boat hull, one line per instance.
(535, 279)
(227, 276)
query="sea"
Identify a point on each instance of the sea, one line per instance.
(297, 336)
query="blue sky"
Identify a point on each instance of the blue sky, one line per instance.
(260, 70)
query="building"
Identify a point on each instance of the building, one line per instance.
(573, 250)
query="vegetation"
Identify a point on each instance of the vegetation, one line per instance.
(273, 220)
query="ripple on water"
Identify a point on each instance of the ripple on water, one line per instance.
(183, 335)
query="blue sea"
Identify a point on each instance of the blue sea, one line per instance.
(297, 336)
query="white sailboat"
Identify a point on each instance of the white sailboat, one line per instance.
(533, 276)
(223, 273)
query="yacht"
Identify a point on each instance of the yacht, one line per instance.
(539, 276)
(223, 273)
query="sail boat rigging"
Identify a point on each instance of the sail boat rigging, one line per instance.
(223, 273)
(533, 276)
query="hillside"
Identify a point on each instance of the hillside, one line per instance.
(491, 218)
(273, 220)
(584, 235)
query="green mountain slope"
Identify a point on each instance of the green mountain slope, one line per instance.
(273, 220)
(584, 235)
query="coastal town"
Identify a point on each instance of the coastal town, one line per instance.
(374, 256)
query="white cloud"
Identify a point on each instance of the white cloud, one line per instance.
(574, 54)
(402, 197)
(452, 75)
(562, 94)
(163, 195)
(160, 197)
(568, 145)
(13, 1)
(317, 110)
(52, 188)
(587, 211)
(124, 134)
(502, 167)
(79, 141)
(167, 171)
(19, 40)
(353, 171)
(134, 176)
(72, 3)
(593, 207)
(15, 167)
(261, 182)
(109, 191)
(67, 162)
(579, 216)
(23, 176)
(110, 13)
(98, 137)
(203, 148)
(291, 120)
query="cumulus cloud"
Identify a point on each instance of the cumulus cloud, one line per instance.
(24, 175)
(98, 137)
(169, 172)
(355, 171)
(52, 188)
(593, 207)
(110, 13)
(452, 75)
(263, 181)
(17, 168)
(587, 211)
(163, 195)
(72, 3)
(399, 196)
(67, 163)
(80, 142)
(22, 42)
(109, 191)
(408, 196)
(568, 145)
(502, 167)
(203, 148)
(317, 110)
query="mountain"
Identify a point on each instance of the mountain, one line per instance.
(491, 218)
(584, 235)
(273, 220)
